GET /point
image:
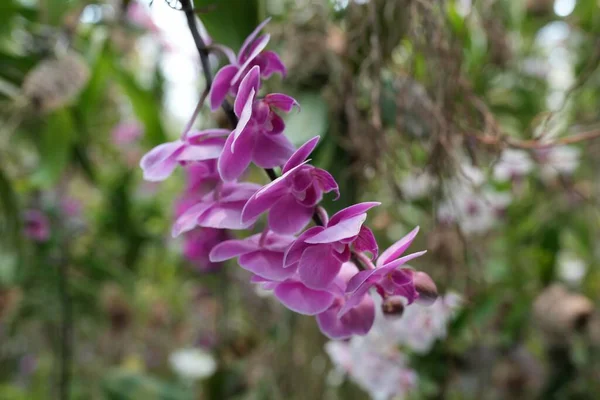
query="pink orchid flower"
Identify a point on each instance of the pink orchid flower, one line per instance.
(291, 198)
(258, 135)
(320, 251)
(251, 54)
(160, 162)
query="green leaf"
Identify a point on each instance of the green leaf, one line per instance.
(146, 107)
(229, 22)
(55, 148)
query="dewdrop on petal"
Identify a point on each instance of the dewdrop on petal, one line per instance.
(56, 82)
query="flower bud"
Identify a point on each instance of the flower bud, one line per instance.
(426, 288)
(393, 306)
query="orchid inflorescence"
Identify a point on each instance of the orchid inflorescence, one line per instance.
(313, 271)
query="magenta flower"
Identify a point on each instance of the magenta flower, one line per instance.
(227, 80)
(36, 226)
(198, 244)
(320, 251)
(258, 135)
(387, 277)
(296, 296)
(159, 163)
(261, 254)
(291, 198)
(221, 208)
(358, 320)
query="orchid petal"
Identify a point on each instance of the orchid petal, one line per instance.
(221, 86)
(352, 211)
(280, 101)
(248, 41)
(160, 162)
(299, 298)
(345, 229)
(287, 216)
(247, 90)
(318, 266)
(272, 151)
(231, 165)
(397, 248)
(233, 248)
(301, 154)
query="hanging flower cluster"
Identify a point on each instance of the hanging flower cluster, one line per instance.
(309, 270)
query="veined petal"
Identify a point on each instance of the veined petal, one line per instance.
(244, 118)
(233, 248)
(326, 182)
(224, 216)
(352, 211)
(345, 229)
(264, 199)
(189, 219)
(357, 321)
(196, 137)
(248, 41)
(272, 151)
(247, 90)
(318, 266)
(301, 154)
(160, 162)
(287, 216)
(272, 64)
(231, 165)
(365, 241)
(397, 248)
(265, 263)
(299, 298)
(256, 49)
(209, 149)
(280, 101)
(221, 86)
(294, 252)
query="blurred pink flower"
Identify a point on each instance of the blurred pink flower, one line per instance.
(36, 225)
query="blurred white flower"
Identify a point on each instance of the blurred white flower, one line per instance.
(417, 186)
(512, 164)
(571, 268)
(376, 363)
(557, 160)
(192, 363)
(474, 211)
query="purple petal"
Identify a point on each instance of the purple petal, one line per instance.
(397, 248)
(294, 252)
(318, 266)
(209, 149)
(272, 151)
(301, 154)
(247, 90)
(224, 216)
(281, 101)
(231, 165)
(221, 86)
(250, 39)
(345, 229)
(160, 162)
(357, 321)
(352, 211)
(365, 241)
(242, 125)
(299, 298)
(271, 64)
(255, 49)
(189, 219)
(268, 264)
(233, 248)
(264, 199)
(196, 137)
(287, 216)
(326, 182)
(236, 191)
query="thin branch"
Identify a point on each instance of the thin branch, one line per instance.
(535, 144)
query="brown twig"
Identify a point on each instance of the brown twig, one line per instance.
(535, 144)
